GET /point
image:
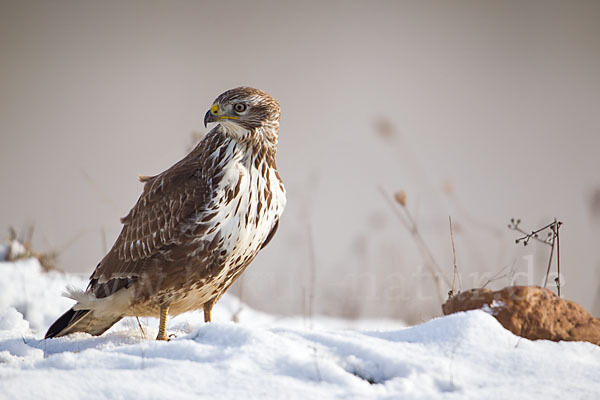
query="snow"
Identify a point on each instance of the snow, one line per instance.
(461, 356)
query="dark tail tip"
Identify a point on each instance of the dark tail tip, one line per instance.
(60, 324)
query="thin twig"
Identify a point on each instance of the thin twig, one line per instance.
(409, 223)
(553, 224)
(514, 225)
(141, 327)
(313, 271)
(316, 362)
(553, 241)
(12, 234)
(454, 257)
(558, 259)
(28, 236)
(303, 304)
(99, 191)
(473, 220)
(395, 209)
(497, 275)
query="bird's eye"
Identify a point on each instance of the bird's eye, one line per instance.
(240, 107)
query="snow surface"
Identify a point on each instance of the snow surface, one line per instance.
(461, 356)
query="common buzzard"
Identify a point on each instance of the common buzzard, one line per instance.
(196, 226)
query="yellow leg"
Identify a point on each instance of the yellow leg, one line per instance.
(162, 327)
(208, 311)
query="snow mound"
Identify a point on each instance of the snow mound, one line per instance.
(461, 356)
(34, 293)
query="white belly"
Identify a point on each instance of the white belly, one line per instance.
(246, 220)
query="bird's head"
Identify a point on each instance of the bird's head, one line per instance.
(246, 109)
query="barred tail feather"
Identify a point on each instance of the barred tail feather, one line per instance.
(81, 321)
(64, 322)
(91, 315)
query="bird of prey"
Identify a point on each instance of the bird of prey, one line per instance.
(196, 226)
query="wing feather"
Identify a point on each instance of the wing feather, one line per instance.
(163, 215)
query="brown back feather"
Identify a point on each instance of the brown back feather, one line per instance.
(161, 215)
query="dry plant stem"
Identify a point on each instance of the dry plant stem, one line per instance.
(395, 209)
(558, 259)
(474, 221)
(454, 257)
(29, 235)
(497, 275)
(303, 305)
(141, 327)
(99, 191)
(553, 224)
(12, 233)
(411, 226)
(313, 271)
(533, 233)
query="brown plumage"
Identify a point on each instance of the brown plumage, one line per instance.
(196, 226)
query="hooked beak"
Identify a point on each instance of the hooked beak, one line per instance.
(211, 115)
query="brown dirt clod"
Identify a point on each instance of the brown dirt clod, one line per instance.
(531, 312)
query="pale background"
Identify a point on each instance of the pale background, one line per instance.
(494, 109)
